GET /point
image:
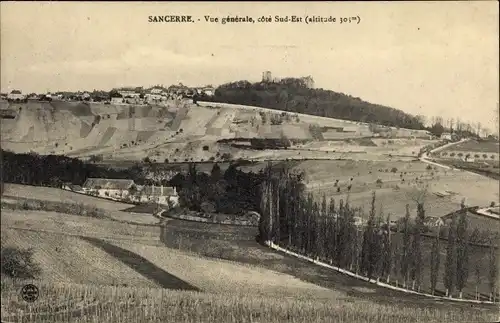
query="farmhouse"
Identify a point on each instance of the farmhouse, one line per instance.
(114, 188)
(157, 194)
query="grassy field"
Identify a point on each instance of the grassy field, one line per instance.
(224, 274)
(58, 195)
(79, 303)
(475, 146)
(71, 259)
(15, 193)
(393, 194)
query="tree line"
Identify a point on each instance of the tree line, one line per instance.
(330, 231)
(55, 170)
(296, 97)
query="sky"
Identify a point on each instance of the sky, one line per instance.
(429, 58)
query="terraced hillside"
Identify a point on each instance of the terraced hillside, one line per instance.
(182, 130)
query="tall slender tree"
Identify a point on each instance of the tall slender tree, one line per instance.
(388, 249)
(368, 257)
(450, 272)
(462, 249)
(492, 267)
(477, 273)
(332, 220)
(435, 260)
(416, 249)
(405, 253)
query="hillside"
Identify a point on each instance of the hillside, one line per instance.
(292, 95)
(182, 131)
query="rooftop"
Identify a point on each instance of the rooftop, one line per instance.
(156, 191)
(106, 183)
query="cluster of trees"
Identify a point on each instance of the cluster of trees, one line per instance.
(232, 191)
(54, 170)
(296, 97)
(332, 233)
(458, 128)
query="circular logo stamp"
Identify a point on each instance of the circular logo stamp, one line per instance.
(29, 293)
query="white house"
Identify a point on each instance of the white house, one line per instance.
(129, 92)
(156, 90)
(157, 194)
(446, 136)
(16, 95)
(151, 97)
(117, 100)
(111, 188)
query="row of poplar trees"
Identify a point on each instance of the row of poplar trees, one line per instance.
(329, 232)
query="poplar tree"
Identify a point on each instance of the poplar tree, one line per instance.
(388, 249)
(416, 249)
(368, 261)
(462, 250)
(477, 272)
(405, 255)
(492, 268)
(435, 260)
(340, 234)
(450, 272)
(332, 219)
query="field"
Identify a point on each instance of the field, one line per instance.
(15, 193)
(182, 130)
(475, 146)
(110, 304)
(393, 194)
(100, 269)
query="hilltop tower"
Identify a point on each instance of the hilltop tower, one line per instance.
(309, 81)
(267, 76)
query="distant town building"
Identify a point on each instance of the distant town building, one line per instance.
(177, 89)
(267, 76)
(309, 81)
(156, 90)
(206, 90)
(117, 100)
(16, 95)
(129, 92)
(446, 136)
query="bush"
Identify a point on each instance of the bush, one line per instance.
(205, 148)
(378, 182)
(166, 160)
(394, 170)
(429, 167)
(17, 263)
